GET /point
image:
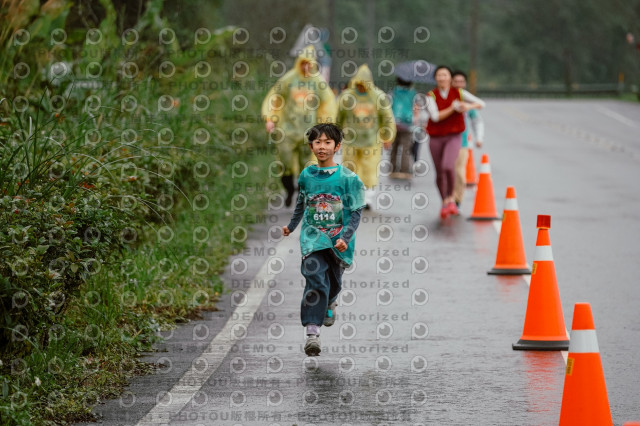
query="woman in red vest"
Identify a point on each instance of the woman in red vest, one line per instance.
(446, 107)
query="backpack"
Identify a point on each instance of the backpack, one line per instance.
(402, 106)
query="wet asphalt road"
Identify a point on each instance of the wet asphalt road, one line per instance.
(423, 334)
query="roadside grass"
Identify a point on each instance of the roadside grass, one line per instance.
(116, 200)
(165, 281)
(142, 208)
(629, 97)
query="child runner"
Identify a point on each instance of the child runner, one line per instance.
(329, 204)
(473, 119)
(446, 124)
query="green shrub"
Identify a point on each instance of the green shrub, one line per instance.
(93, 177)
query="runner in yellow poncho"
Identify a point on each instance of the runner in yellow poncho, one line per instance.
(365, 114)
(299, 100)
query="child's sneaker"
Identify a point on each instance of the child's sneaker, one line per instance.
(312, 347)
(330, 316)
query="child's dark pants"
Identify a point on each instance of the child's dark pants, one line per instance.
(323, 275)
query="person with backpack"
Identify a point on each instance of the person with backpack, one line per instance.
(402, 97)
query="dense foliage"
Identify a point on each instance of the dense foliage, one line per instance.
(115, 191)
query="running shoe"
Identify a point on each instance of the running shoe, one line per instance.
(330, 316)
(312, 346)
(444, 212)
(453, 209)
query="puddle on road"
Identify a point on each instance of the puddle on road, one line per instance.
(511, 288)
(544, 372)
(485, 238)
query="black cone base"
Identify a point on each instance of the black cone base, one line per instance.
(484, 218)
(502, 271)
(541, 345)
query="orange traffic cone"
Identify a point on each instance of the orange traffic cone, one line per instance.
(471, 178)
(510, 259)
(544, 328)
(584, 398)
(484, 207)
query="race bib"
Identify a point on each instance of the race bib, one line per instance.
(325, 213)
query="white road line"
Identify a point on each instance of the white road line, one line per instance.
(193, 379)
(527, 279)
(616, 116)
